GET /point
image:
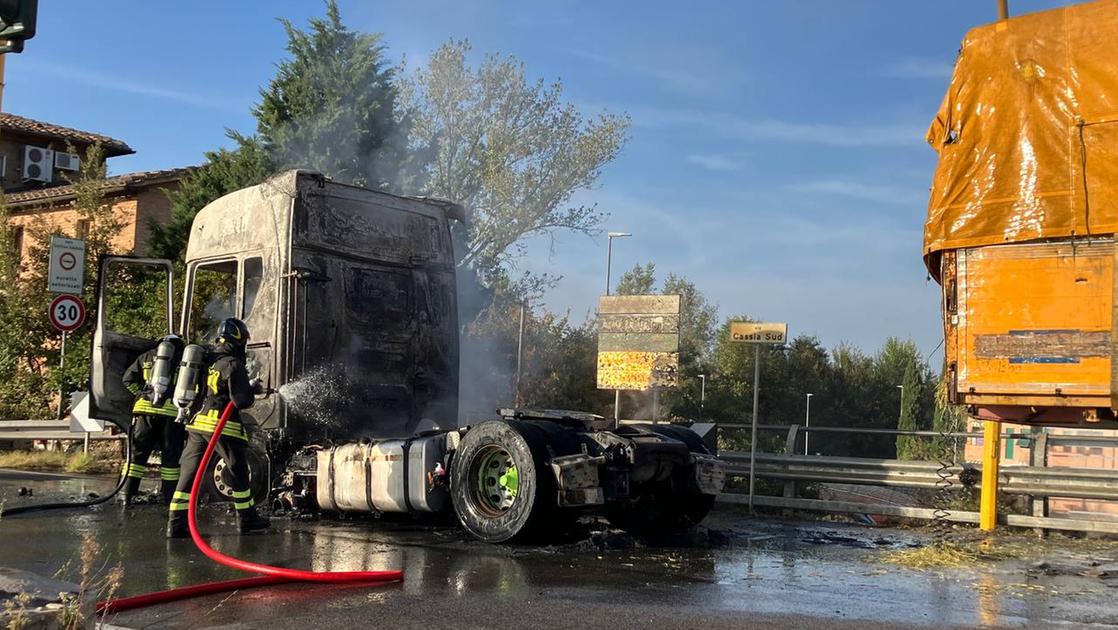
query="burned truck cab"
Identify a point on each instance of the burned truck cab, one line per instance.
(348, 294)
(350, 299)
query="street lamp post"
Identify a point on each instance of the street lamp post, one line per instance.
(900, 412)
(609, 269)
(609, 253)
(807, 422)
(702, 393)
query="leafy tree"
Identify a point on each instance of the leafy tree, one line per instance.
(508, 148)
(908, 446)
(558, 362)
(698, 318)
(640, 280)
(332, 107)
(224, 171)
(30, 346)
(948, 418)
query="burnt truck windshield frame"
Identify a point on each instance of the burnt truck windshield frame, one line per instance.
(247, 275)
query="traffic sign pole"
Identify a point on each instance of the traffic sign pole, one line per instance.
(753, 428)
(757, 333)
(62, 380)
(66, 313)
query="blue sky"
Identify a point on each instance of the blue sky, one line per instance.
(776, 156)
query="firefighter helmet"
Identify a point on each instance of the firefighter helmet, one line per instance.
(232, 331)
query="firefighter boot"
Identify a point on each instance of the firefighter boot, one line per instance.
(248, 520)
(131, 489)
(167, 490)
(177, 526)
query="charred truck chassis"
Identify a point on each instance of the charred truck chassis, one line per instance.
(355, 290)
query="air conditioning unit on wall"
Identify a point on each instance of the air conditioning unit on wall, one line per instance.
(38, 164)
(67, 161)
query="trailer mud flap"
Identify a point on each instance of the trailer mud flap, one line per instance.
(710, 474)
(577, 479)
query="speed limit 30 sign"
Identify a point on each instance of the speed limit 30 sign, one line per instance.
(67, 312)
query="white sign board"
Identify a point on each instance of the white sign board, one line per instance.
(67, 265)
(756, 332)
(67, 313)
(80, 422)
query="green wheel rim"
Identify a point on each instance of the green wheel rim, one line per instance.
(496, 480)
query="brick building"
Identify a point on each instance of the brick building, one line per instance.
(37, 160)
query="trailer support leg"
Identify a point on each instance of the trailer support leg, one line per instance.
(991, 449)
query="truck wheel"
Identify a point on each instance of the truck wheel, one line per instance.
(216, 482)
(670, 506)
(498, 487)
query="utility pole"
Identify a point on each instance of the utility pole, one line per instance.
(753, 438)
(900, 411)
(1003, 9)
(519, 356)
(807, 423)
(702, 393)
(609, 269)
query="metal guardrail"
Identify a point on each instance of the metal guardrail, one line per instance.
(1078, 483)
(26, 430)
(1036, 480)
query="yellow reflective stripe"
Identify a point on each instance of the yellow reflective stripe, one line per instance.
(206, 423)
(180, 507)
(170, 474)
(132, 387)
(242, 494)
(144, 406)
(181, 496)
(137, 471)
(242, 505)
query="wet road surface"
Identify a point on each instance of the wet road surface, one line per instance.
(735, 572)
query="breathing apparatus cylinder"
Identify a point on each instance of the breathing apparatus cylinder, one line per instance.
(188, 384)
(162, 373)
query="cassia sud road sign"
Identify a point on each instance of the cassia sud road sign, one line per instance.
(757, 332)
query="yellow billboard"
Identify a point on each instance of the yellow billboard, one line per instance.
(638, 341)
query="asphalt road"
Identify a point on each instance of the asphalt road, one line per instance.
(733, 573)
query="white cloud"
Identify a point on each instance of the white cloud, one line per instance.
(918, 69)
(116, 84)
(732, 126)
(690, 70)
(895, 195)
(714, 162)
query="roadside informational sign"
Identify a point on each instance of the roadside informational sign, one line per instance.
(638, 342)
(67, 265)
(80, 422)
(67, 313)
(756, 332)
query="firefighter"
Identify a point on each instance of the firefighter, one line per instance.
(153, 426)
(226, 380)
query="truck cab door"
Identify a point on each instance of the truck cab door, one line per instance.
(134, 310)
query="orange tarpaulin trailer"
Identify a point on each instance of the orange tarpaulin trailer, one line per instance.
(1022, 216)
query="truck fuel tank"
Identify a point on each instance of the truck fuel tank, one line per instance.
(383, 476)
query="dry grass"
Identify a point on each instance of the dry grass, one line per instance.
(948, 554)
(59, 461)
(96, 581)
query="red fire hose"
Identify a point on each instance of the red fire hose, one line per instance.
(269, 574)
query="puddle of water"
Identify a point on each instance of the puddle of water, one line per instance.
(817, 569)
